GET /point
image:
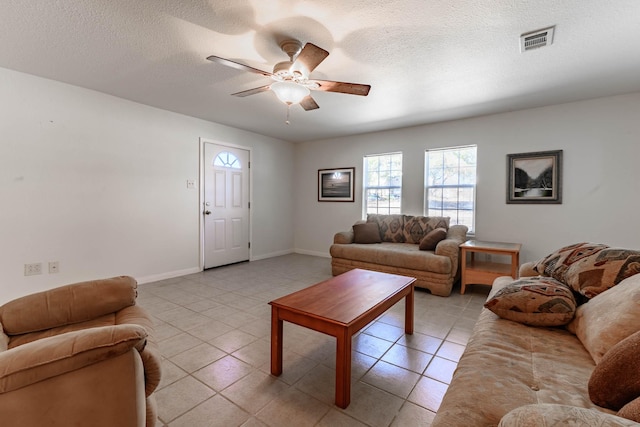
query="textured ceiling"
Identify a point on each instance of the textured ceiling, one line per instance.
(426, 60)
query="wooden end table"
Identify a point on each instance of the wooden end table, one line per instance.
(485, 272)
(340, 307)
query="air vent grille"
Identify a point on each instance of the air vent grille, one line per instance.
(536, 39)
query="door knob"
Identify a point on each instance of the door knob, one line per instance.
(207, 212)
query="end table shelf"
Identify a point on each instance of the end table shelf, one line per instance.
(485, 272)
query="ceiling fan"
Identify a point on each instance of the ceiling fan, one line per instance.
(292, 84)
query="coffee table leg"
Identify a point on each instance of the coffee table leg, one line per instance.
(343, 370)
(276, 342)
(408, 312)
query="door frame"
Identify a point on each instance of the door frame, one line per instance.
(204, 141)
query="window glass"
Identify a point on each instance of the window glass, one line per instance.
(450, 184)
(227, 160)
(383, 184)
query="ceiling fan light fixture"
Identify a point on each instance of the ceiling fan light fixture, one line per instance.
(289, 92)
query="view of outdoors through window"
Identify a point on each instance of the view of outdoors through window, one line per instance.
(383, 183)
(450, 184)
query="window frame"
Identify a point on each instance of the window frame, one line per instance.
(458, 185)
(392, 189)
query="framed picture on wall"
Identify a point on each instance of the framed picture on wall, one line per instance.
(534, 177)
(336, 185)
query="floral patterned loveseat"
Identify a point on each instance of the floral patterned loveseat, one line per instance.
(426, 248)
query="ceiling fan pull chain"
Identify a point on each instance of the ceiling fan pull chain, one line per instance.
(288, 110)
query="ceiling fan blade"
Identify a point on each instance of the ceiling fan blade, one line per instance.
(308, 103)
(309, 58)
(341, 87)
(237, 65)
(252, 91)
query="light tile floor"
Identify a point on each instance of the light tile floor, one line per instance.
(213, 330)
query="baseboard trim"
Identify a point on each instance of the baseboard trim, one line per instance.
(271, 255)
(167, 275)
(313, 253)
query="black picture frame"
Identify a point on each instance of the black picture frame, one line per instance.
(534, 177)
(336, 185)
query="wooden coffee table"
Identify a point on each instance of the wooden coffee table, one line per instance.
(340, 307)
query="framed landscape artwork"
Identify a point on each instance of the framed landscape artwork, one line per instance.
(336, 185)
(534, 177)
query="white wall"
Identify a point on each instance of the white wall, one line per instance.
(98, 183)
(601, 197)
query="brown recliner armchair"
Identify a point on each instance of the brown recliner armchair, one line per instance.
(78, 355)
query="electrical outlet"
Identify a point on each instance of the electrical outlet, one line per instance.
(33, 269)
(54, 267)
(191, 184)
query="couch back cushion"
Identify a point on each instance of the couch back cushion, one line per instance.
(391, 227)
(608, 318)
(416, 227)
(68, 304)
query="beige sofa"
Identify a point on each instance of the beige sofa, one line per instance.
(398, 250)
(514, 374)
(78, 355)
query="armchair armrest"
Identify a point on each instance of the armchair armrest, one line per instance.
(42, 359)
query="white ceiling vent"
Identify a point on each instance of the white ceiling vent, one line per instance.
(536, 39)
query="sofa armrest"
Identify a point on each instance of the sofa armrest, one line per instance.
(548, 414)
(49, 357)
(68, 304)
(450, 247)
(343, 237)
(526, 270)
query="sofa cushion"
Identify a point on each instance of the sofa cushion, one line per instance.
(368, 232)
(608, 318)
(417, 227)
(558, 262)
(546, 414)
(400, 255)
(616, 379)
(602, 270)
(391, 227)
(432, 238)
(534, 301)
(631, 410)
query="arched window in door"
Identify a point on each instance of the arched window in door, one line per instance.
(227, 160)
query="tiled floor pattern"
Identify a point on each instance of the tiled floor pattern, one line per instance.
(213, 330)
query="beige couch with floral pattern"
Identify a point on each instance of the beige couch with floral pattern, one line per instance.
(398, 250)
(513, 374)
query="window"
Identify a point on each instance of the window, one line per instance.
(383, 183)
(227, 160)
(450, 184)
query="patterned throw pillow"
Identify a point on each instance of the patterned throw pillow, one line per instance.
(557, 263)
(534, 301)
(602, 270)
(416, 227)
(391, 227)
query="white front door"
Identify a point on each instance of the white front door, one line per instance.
(226, 205)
